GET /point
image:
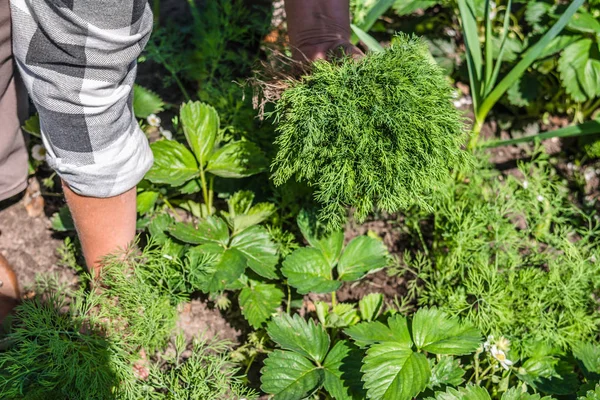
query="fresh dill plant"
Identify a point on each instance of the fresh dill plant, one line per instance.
(512, 254)
(207, 374)
(83, 344)
(380, 132)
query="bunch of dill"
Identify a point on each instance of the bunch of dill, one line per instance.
(379, 132)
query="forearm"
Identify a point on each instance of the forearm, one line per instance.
(104, 225)
(317, 26)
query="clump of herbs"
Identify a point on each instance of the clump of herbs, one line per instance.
(512, 254)
(380, 132)
(83, 344)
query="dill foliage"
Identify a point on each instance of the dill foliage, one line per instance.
(378, 132)
(511, 254)
(82, 344)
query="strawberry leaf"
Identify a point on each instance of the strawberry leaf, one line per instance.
(305, 338)
(289, 376)
(259, 301)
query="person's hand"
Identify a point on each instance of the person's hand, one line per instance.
(320, 29)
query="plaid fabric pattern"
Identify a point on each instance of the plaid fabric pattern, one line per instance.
(78, 61)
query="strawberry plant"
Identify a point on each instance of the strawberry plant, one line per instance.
(395, 366)
(326, 264)
(194, 170)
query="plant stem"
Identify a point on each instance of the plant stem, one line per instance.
(250, 364)
(176, 214)
(289, 300)
(156, 12)
(204, 189)
(211, 181)
(333, 299)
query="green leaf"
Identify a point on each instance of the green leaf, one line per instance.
(342, 372)
(173, 163)
(588, 356)
(146, 102)
(209, 230)
(379, 8)
(469, 392)
(474, 54)
(405, 7)
(579, 67)
(370, 306)
(145, 201)
(242, 214)
(592, 394)
(369, 41)
(62, 221)
(434, 332)
(289, 376)
(237, 160)
(368, 333)
(330, 243)
(519, 394)
(259, 301)
(362, 255)
(157, 227)
(295, 334)
(529, 57)
(230, 265)
(32, 126)
(260, 251)
(341, 316)
(584, 22)
(393, 372)
(446, 372)
(587, 128)
(307, 270)
(201, 127)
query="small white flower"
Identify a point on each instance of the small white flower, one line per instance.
(493, 10)
(38, 152)
(589, 174)
(503, 344)
(540, 198)
(525, 184)
(450, 32)
(570, 166)
(501, 357)
(166, 134)
(593, 258)
(488, 343)
(153, 120)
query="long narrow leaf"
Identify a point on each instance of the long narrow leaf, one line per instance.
(587, 128)
(492, 82)
(367, 39)
(489, 52)
(528, 58)
(373, 15)
(474, 57)
(377, 11)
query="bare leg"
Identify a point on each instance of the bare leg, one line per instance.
(104, 225)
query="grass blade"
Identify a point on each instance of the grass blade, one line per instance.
(496, 72)
(474, 57)
(367, 39)
(528, 58)
(489, 53)
(587, 128)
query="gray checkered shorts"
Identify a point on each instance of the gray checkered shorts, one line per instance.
(78, 61)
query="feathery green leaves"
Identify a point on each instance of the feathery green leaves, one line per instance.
(376, 133)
